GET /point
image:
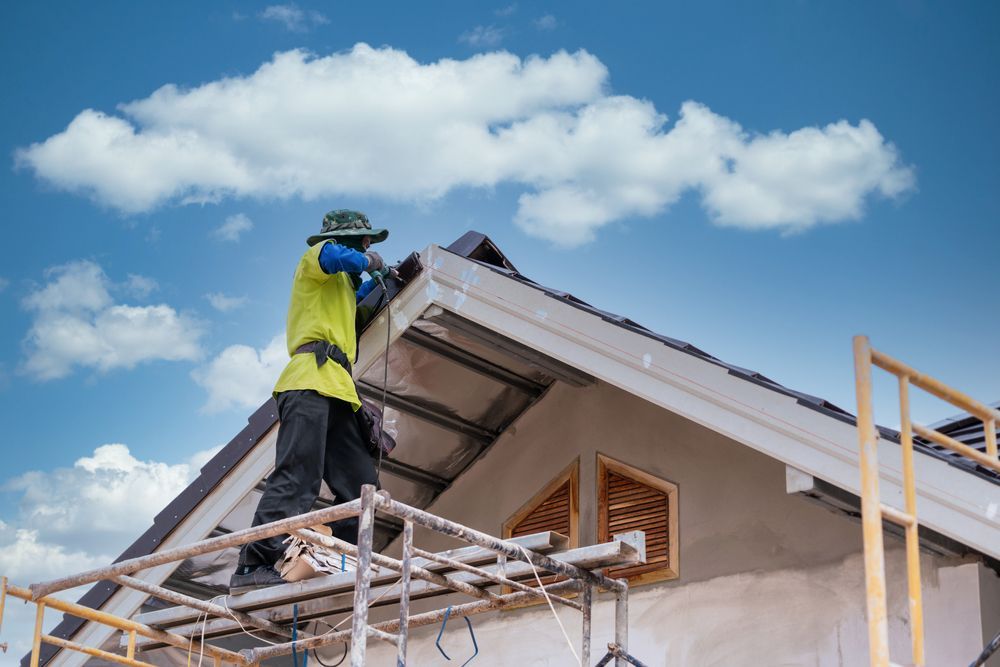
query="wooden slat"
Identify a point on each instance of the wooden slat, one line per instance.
(545, 521)
(651, 516)
(637, 505)
(633, 490)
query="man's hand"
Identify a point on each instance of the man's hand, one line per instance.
(375, 262)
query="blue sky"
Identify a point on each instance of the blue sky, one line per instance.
(885, 225)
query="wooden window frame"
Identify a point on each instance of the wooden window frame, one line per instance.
(653, 572)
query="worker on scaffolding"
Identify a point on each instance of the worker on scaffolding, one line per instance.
(319, 438)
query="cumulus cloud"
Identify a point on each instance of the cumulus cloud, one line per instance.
(233, 228)
(293, 17)
(76, 322)
(410, 131)
(99, 505)
(242, 376)
(482, 36)
(223, 303)
(72, 519)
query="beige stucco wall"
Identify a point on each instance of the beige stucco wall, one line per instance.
(734, 513)
(765, 578)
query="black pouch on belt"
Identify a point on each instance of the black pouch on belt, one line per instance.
(368, 416)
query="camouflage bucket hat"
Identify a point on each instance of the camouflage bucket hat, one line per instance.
(344, 223)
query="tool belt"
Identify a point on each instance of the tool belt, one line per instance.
(369, 417)
(325, 350)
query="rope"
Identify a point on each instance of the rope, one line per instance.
(548, 599)
(201, 645)
(294, 618)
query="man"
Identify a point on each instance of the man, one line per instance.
(319, 439)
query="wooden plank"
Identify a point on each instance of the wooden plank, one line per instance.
(629, 548)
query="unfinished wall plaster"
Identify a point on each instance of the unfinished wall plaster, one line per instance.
(807, 617)
(989, 604)
(765, 578)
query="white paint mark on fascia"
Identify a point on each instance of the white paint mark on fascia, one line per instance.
(432, 290)
(647, 360)
(541, 314)
(470, 276)
(400, 322)
(991, 511)
(438, 262)
(459, 299)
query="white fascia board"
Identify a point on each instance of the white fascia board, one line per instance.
(950, 501)
(401, 312)
(197, 525)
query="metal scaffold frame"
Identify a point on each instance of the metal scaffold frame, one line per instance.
(576, 581)
(873, 511)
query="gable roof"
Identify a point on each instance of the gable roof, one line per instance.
(523, 368)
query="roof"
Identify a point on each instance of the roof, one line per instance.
(964, 427)
(506, 378)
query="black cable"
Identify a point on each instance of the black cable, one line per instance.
(385, 377)
(316, 655)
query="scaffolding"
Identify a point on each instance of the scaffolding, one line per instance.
(511, 562)
(873, 511)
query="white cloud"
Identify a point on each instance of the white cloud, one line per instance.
(25, 559)
(140, 286)
(404, 130)
(482, 36)
(547, 22)
(233, 227)
(506, 11)
(224, 304)
(77, 323)
(241, 376)
(108, 497)
(73, 519)
(4, 283)
(293, 18)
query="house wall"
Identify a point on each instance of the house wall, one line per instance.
(989, 597)
(765, 578)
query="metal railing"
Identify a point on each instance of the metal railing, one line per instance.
(873, 511)
(578, 581)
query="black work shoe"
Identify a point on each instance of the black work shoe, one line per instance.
(262, 577)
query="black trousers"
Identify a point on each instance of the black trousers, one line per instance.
(318, 440)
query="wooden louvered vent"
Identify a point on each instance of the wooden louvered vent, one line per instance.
(553, 514)
(555, 508)
(630, 499)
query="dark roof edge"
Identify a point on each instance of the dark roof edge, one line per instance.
(476, 246)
